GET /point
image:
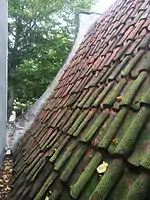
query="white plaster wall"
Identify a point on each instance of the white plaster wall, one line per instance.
(3, 72)
(85, 20)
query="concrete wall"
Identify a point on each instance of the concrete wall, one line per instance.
(3, 74)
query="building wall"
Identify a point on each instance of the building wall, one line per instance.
(3, 74)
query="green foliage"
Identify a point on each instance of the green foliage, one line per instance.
(41, 33)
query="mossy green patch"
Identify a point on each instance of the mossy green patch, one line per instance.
(77, 122)
(91, 185)
(58, 150)
(76, 189)
(141, 149)
(71, 120)
(97, 122)
(132, 64)
(75, 158)
(140, 187)
(46, 185)
(84, 123)
(146, 97)
(86, 97)
(92, 97)
(127, 98)
(64, 155)
(129, 139)
(113, 128)
(121, 131)
(108, 181)
(114, 94)
(55, 190)
(36, 167)
(102, 94)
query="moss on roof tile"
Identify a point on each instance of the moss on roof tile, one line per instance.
(76, 189)
(97, 122)
(113, 128)
(108, 180)
(73, 161)
(127, 143)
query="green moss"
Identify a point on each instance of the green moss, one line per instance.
(142, 65)
(90, 187)
(33, 171)
(113, 128)
(65, 195)
(131, 64)
(33, 163)
(92, 97)
(121, 131)
(67, 152)
(75, 158)
(85, 98)
(84, 123)
(140, 151)
(32, 156)
(37, 171)
(139, 189)
(102, 131)
(71, 120)
(58, 150)
(114, 94)
(77, 188)
(146, 160)
(77, 122)
(129, 139)
(106, 75)
(121, 189)
(82, 95)
(146, 97)
(108, 181)
(133, 89)
(55, 190)
(97, 122)
(102, 94)
(45, 187)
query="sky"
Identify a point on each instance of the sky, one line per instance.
(102, 5)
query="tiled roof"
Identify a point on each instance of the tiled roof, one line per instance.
(98, 117)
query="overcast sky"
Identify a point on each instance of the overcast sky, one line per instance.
(103, 5)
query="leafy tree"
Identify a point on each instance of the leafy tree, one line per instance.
(41, 33)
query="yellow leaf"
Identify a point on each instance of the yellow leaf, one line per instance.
(115, 141)
(119, 98)
(102, 168)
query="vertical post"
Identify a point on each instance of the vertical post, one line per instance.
(3, 76)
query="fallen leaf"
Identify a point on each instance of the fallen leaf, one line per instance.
(115, 141)
(102, 168)
(119, 98)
